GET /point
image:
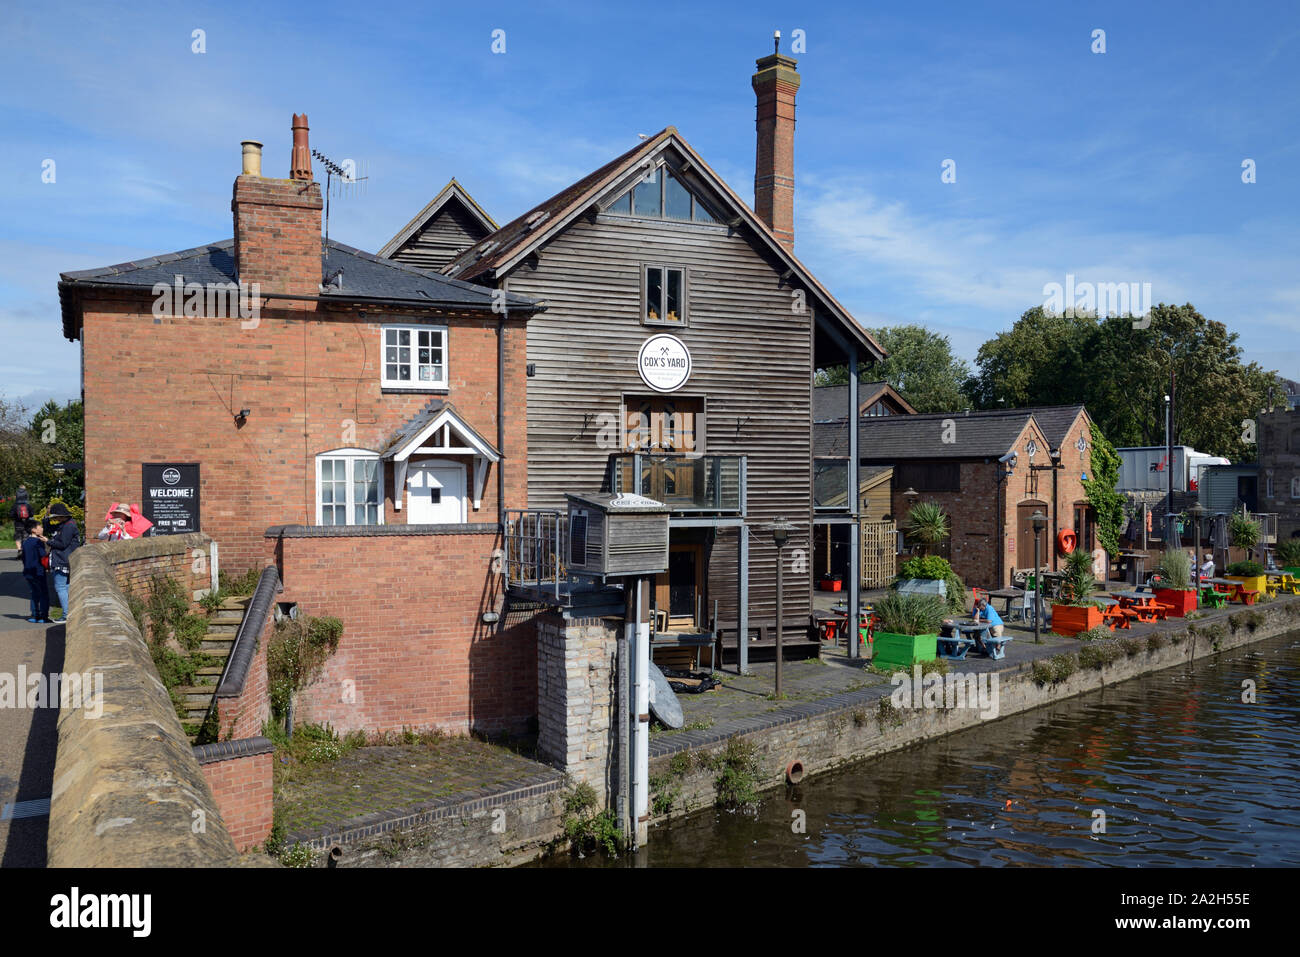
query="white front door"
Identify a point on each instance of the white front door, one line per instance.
(436, 494)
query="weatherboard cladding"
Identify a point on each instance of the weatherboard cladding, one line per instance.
(449, 232)
(751, 360)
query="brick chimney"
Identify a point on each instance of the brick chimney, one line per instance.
(278, 222)
(776, 82)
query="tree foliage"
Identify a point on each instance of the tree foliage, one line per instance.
(31, 444)
(920, 366)
(1121, 373)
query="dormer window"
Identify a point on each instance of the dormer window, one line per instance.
(661, 195)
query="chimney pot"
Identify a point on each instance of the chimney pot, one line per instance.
(300, 161)
(252, 157)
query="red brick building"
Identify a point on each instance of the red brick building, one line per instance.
(337, 392)
(989, 471)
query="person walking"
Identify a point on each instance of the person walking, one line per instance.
(20, 513)
(34, 571)
(65, 540)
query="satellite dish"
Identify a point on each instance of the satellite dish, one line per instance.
(663, 700)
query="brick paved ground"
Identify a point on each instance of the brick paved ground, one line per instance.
(371, 784)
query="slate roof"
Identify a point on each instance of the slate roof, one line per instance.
(892, 438)
(422, 418)
(831, 402)
(1055, 420)
(365, 278)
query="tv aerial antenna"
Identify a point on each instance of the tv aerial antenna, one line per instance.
(341, 179)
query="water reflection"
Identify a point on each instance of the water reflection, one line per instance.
(1184, 772)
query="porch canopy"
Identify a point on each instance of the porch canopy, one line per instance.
(439, 429)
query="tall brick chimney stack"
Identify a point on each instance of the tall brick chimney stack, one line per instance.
(278, 224)
(776, 82)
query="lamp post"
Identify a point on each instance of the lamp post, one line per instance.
(1197, 511)
(910, 495)
(780, 530)
(1039, 521)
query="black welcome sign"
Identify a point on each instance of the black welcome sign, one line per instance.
(170, 497)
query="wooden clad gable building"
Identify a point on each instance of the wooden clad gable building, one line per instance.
(652, 259)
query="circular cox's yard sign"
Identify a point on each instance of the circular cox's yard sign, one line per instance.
(664, 363)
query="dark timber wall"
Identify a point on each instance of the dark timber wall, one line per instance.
(752, 363)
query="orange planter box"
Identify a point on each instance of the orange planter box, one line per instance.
(1069, 620)
(1180, 602)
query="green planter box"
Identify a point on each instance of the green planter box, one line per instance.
(1292, 570)
(903, 651)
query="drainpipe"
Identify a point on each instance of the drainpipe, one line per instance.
(501, 420)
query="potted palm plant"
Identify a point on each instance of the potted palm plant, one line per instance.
(927, 524)
(1073, 611)
(1176, 588)
(1287, 555)
(909, 629)
(1242, 532)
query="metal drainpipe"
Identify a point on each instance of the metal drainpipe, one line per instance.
(501, 422)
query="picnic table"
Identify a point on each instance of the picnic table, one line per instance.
(1281, 581)
(1008, 595)
(1141, 604)
(1234, 590)
(970, 632)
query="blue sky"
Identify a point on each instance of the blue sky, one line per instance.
(1123, 166)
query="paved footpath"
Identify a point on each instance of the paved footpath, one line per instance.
(28, 737)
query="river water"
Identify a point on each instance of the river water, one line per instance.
(1183, 771)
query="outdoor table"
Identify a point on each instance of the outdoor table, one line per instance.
(1233, 589)
(967, 632)
(1144, 603)
(1281, 581)
(1007, 595)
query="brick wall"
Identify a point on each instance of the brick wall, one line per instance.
(312, 382)
(239, 774)
(185, 558)
(415, 652)
(973, 510)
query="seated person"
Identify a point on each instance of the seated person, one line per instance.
(986, 612)
(1207, 570)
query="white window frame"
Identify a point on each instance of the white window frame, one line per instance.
(350, 456)
(1295, 487)
(413, 383)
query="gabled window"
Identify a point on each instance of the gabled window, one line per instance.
(665, 295)
(661, 195)
(347, 488)
(414, 357)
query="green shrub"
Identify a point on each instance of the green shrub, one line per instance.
(1043, 673)
(737, 785)
(1098, 655)
(1246, 569)
(910, 614)
(1063, 666)
(296, 654)
(585, 827)
(1130, 646)
(936, 568)
(241, 585)
(1156, 641)
(1287, 553)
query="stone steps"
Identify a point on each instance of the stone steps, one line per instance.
(219, 641)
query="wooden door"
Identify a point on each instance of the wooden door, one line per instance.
(679, 592)
(669, 426)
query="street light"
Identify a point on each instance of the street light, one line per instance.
(1197, 511)
(780, 530)
(1039, 521)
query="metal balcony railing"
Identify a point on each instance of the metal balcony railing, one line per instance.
(685, 483)
(535, 541)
